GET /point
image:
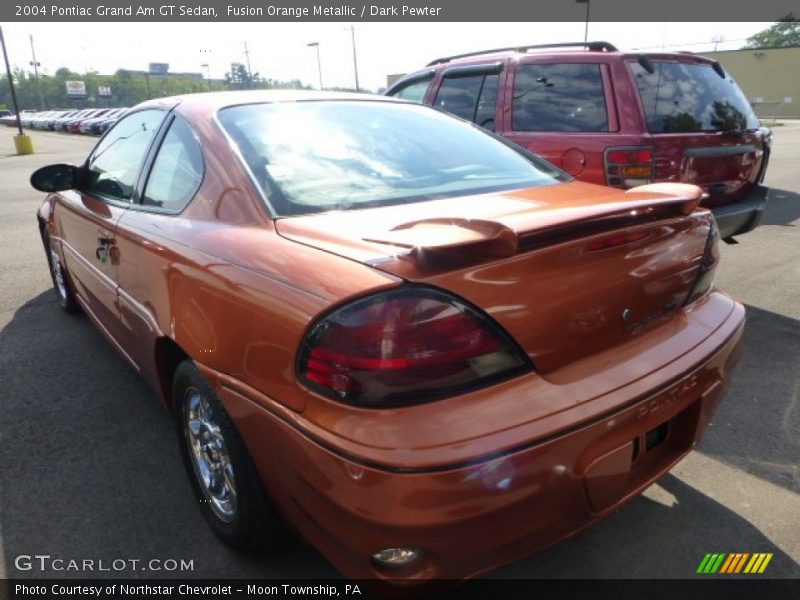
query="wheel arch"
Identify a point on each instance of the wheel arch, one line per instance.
(168, 355)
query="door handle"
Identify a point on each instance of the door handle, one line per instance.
(104, 244)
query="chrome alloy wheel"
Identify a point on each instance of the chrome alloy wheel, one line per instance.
(209, 455)
(58, 274)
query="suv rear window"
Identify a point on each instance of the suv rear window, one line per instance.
(559, 97)
(680, 97)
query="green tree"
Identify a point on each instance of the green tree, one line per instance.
(128, 88)
(782, 34)
(239, 78)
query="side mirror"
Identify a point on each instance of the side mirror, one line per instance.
(55, 178)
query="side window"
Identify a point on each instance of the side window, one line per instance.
(414, 91)
(470, 97)
(114, 166)
(177, 170)
(559, 97)
(487, 102)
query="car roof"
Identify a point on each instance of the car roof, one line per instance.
(213, 101)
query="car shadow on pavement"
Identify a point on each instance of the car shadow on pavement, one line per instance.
(90, 463)
(757, 425)
(649, 539)
(91, 470)
(783, 208)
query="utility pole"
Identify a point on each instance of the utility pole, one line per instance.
(355, 61)
(249, 70)
(315, 45)
(36, 66)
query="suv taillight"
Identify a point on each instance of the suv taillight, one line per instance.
(705, 276)
(629, 166)
(405, 346)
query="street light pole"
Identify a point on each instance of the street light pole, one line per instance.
(36, 66)
(586, 30)
(315, 45)
(249, 70)
(355, 61)
(208, 73)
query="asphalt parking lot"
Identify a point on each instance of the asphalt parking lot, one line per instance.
(90, 469)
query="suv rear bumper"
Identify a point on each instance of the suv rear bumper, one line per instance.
(743, 215)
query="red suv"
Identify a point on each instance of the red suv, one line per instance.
(614, 118)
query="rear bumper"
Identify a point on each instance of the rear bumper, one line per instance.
(743, 215)
(471, 518)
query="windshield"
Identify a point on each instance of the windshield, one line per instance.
(316, 156)
(680, 97)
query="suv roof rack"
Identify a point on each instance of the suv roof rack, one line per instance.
(594, 46)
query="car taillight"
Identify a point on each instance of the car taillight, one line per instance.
(705, 276)
(405, 346)
(629, 166)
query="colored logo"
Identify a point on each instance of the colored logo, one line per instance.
(737, 562)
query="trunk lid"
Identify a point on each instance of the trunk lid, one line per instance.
(568, 270)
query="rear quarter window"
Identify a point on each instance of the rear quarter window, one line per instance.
(473, 97)
(414, 91)
(559, 97)
(680, 97)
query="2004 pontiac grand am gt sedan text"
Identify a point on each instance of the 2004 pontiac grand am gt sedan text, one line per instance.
(426, 349)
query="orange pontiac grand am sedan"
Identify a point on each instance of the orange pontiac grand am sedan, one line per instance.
(428, 350)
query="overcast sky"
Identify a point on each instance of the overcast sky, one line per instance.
(279, 50)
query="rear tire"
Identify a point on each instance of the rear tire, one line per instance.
(219, 466)
(60, 277)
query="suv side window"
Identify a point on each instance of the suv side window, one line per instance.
(414, 91)
(177, 170)
(114, 166)
(470, 97)
(559, 97)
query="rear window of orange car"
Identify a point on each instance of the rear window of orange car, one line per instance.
(316, 156)
(680, 97)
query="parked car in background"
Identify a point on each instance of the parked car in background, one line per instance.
(102, 126)
(429, 350)
(62, 124)
(614, 118)
(92, 121)
(52, 123)
(73, 126)
(8, 118)
(28, 119)
(98, 125)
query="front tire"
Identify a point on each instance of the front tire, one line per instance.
(60, 277)
(220, 469)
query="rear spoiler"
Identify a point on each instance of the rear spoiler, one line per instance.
(455, 239)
